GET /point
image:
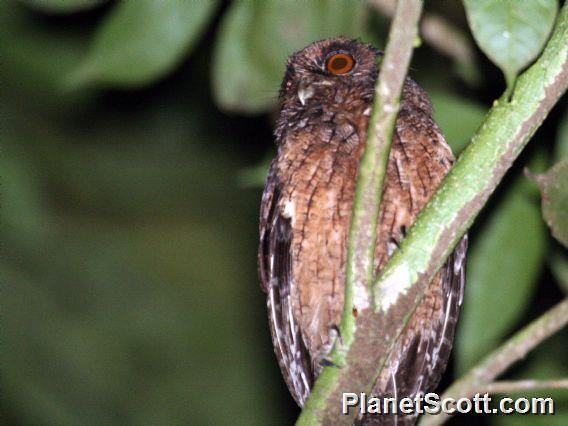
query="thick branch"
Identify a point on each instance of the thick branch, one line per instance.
(505, 131)
(324, 403)
(479, 378)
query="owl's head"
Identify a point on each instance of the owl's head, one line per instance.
(328, 67)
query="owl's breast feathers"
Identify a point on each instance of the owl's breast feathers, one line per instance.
(304, 228)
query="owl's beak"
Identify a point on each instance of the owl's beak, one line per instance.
(305, 92)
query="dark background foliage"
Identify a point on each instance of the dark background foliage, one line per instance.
(135, 138)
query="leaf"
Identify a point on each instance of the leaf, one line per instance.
(26, 219)
(122, 233)
(511, 32)
(255, 38)
(62, 6)
(559, 266)
(458, 118)
(503, 265)
(255, 176)
(28, 50)
(553, 186)
(140, 41)
(137, 327)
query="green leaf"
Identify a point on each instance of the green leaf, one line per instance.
(62, 6)
(28, 46)
(255, 176)
(255, 38)
(26, 219)
(140, 41)
(457, 117)
(114, 225)
(559, 266)
(554, 190)
(511, 32)
(503, 265)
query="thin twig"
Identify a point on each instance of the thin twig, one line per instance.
(502, 358)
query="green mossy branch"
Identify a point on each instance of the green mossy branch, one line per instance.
(505, 131)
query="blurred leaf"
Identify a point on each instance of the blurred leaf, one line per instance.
(62, 6)
(561, 150)
(510, 32)
(142, 40)
(502, 269)
(470, 73)
(458, 118)
(554, 191)
(255, 38)
(157, 161)
(28, 48)
(151, 181)
(559, 265)
(136, 300)
(255, 176)
(114, 333)
(24, 217)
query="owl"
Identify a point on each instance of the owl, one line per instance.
(326, 99)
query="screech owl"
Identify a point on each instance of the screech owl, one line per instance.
(326, 99)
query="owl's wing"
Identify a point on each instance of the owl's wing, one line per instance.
(426, 356)
(452, 290)
(435, 344)
(274, 260)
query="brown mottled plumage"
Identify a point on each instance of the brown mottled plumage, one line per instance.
(306, 211)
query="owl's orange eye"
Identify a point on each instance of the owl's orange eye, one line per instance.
(340, 63)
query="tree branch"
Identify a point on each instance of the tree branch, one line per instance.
(478, 378)
(324, 403)
(505, 131)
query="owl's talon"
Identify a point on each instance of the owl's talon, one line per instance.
(337, 334)
(335, 342)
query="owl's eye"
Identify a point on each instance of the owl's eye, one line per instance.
(340, 63)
